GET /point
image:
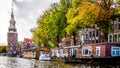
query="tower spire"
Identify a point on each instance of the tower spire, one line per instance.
(12, 15)
(12, 27)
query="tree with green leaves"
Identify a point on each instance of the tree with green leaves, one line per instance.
(52, 24)
(0, 49)
(3, 49)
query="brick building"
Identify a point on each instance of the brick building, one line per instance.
(12, 37)
(97, 46)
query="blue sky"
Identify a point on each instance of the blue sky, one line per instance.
(26, 14)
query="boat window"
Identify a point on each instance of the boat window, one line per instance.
(115, 51)
(33, 53)
(86, 51)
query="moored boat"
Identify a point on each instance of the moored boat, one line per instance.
(44, 56)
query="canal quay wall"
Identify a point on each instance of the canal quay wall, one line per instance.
(69, 60)
(110, 60)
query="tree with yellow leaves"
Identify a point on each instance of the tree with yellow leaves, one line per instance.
(87, 13)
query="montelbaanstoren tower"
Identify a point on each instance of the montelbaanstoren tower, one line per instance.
(12, 36)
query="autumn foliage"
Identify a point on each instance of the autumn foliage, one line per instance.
(70, 16)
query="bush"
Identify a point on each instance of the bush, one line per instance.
(3, 49)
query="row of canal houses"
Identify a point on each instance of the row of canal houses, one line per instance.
(90, 44)
(93, 44)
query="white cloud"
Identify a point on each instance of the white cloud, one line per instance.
(26, 13)
(5, 7)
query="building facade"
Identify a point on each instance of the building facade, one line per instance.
(12, 37)
(97, 46)
(114, 36)
(94, 45)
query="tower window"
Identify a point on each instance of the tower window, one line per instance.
(12, 30)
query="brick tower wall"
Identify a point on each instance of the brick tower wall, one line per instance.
(12, 44)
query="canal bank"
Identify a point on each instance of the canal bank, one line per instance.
(15, 62)
(110, 60)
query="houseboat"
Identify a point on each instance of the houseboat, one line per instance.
(36, 53)
(58, 52)
(30, 53)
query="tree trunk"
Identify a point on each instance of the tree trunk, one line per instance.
(58, 39)
(74, 38)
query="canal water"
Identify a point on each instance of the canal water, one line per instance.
(15, 62)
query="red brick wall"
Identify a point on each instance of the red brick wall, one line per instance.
(79, 53)
(108, 50)
(109, 47)
(102, 50)
(93, 49)
(12, 42)
(27, 40)
(105, 50)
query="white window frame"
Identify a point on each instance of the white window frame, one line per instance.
(98, 48)
(89, 49)
(110, 40)
(115, 52)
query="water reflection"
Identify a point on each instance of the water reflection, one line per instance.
(14, 62)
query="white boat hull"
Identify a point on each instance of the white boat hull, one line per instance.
(45, 57)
